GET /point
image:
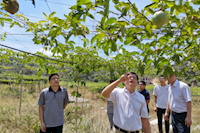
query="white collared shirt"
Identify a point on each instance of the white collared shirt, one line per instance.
(128, 109)
(161, 92)
(179, 95)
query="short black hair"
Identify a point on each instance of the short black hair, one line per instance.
(161, 76)
(144, 83)
(52, 75)
(111, 80)
(135, 74)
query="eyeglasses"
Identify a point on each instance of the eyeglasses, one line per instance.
(132, 78)
(55, 79)
(140, 84)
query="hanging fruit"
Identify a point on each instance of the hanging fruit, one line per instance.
(159, 18)
(11, 6)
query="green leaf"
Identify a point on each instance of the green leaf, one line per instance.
(115, 1)
(122, 30)
(176, 12)
(110, 21)
(90, 15)
(94, 38)
(52, 14)
(106, 8)
(102, 22)
(73, 93)
(170, 3)
(149, 5)
(148, 27)
(150, 11)
(134, 10)
(155, 0)
(113, 46)
(80, 2)
(46, 16)
(6, 19)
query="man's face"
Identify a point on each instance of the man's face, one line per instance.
(141, 85)
(132, 80)
(170, 79)
(162, 80)
(54, 81)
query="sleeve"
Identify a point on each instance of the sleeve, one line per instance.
(66, 100)
(186, 93)
(41, 100)
(155, 91)
(112, 96)
(143, 111)
(147, 96)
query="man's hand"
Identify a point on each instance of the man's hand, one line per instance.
(43, 127)
(188, 121)
(155, 109)
(166, 117)
(124, 77)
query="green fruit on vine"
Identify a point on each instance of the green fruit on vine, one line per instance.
(159, 18)
(11, 6)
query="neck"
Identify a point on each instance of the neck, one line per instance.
(55, 88)
(162, 84)
(173, 82)
(142, 89)
(131, 89)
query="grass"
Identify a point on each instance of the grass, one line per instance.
(92, 117)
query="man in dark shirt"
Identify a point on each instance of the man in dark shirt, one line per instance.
(144, 92)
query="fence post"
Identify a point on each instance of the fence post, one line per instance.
(10, 84)
(67, 82)
(13, 83)
(21, 93)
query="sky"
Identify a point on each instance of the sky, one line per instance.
(18, 38)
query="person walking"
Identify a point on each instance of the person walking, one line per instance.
(52, 102)
(130, 111)
(110, 107)
(160, 93)
(180, 104)
(144, 92)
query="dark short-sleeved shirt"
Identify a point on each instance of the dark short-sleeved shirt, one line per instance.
(145, 93)
(53, 106)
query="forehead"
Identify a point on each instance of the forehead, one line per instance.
(54, 76)
(131, 75)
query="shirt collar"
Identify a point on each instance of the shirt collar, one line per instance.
(175, 83)
(50, 89)
(142, 90)
(126, 91)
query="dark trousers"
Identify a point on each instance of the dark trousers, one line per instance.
(53, 129)
(178, 123)
(160, 113)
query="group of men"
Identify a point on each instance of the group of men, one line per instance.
(129, 108)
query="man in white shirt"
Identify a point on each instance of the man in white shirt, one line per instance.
(160, 93)
(180, 103)
(129, 105)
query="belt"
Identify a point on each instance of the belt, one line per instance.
(175, 113)
(124, 131)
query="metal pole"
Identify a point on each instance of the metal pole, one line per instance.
(21, 94)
